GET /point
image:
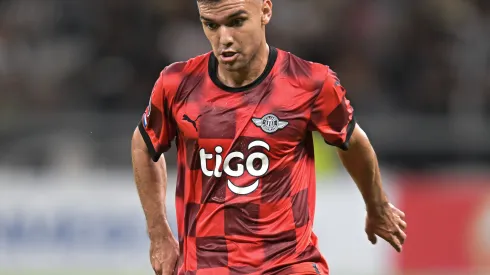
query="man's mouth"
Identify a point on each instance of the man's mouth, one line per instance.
(228, 56)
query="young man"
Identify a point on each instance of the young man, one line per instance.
(242, 118)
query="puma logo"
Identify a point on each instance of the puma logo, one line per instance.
(193, 122)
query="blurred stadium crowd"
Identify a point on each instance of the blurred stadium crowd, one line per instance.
(75, 76)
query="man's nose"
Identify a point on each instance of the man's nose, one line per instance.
(226, 36)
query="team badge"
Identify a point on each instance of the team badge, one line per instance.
(269, 123)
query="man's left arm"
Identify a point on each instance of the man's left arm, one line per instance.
(333, 117)
(362, 164)
(383, 219)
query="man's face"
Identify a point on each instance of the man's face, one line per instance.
(235, 29)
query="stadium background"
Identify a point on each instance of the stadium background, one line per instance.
(76, 75)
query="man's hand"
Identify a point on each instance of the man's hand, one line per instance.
(387, 222)
(163, 255)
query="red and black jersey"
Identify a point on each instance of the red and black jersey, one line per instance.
(245, 196)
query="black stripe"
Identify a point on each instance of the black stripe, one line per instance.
(350, 129)
(213, 72)
(154, 155)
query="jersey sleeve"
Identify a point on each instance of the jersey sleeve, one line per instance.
(157, 125)
(332, 114)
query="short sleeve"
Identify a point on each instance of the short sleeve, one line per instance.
(332, 114)
(157, 126)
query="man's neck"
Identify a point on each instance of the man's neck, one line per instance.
(248, 74)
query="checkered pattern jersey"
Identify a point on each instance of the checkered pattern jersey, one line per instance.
(245, 196)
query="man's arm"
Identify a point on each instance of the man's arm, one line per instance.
(362, 164)
(383, 219)
(151, 182)
(333, 117)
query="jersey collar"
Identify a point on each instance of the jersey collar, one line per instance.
(213, 72)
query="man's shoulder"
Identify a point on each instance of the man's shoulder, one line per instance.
(173, 74)
(308, 74)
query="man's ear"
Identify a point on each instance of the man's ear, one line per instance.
(266, 11)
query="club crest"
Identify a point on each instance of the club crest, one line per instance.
(269, 123)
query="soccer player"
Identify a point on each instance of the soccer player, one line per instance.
(242, 118)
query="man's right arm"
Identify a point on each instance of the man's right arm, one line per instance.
(151, 139)
(151, 182)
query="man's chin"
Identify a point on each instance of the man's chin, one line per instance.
(232, 66)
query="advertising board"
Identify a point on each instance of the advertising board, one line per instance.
(95, 225)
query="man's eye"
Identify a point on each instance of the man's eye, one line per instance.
(237, 22)
(211, 26)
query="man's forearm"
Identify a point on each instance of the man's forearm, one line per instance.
(362, 164)
(151, 182)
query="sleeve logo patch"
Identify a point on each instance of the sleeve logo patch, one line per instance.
(145, 120)
(146, 115)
